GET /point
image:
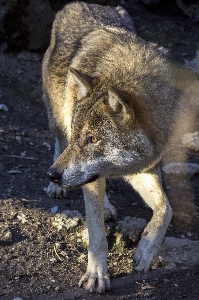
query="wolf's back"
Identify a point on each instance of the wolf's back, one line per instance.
(77, 19)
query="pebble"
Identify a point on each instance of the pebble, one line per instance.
(14, 172)
(5, 234)
(48, 146)
(54, 209)
(3, 107)
(22, 217)
(53, 260)
(23, 153)
(19, 71)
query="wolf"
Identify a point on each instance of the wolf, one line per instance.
(111, 100)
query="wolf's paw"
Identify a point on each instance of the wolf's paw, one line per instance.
(55, 191)
(145, 255)
(92, 283)
(110, 212)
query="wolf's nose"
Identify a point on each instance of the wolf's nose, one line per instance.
(54, 175)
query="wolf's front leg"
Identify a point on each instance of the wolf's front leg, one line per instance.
(95, 278)
(150, 188)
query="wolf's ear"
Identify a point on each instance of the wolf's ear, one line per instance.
(117, 104)
(85, 82)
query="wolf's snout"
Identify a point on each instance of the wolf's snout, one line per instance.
(54, 175)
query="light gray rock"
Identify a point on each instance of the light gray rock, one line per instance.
(132, 227)
(191, 141)
(176, 168)
(72, 213)
(179, 252)
(67, 220)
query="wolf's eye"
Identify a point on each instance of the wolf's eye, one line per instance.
(91, 139)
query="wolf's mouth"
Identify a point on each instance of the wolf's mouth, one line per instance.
(92, 179)
(56, 176)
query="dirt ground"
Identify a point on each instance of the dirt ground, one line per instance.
(37, 261)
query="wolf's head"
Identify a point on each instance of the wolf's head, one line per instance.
(108, 138)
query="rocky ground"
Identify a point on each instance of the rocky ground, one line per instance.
(43, 253)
